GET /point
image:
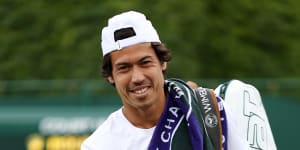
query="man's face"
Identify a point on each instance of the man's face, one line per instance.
(137, 75)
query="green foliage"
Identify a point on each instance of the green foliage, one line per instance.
(43, 39)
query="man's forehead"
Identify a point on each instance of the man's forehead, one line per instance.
(134, 52)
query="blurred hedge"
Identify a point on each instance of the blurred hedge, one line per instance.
(59, 39)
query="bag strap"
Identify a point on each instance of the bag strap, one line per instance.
(207, 102)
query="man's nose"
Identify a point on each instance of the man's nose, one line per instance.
(137, 75)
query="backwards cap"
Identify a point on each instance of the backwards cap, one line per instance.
(126, 29)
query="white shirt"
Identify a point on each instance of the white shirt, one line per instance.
(117, 133)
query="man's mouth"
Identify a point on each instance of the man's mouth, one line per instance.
(141, 91)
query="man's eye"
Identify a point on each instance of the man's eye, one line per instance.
(146, 62)
(123, 68)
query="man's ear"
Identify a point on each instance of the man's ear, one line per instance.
(164, 66)
(111, 80)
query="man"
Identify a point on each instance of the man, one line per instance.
(156, 113)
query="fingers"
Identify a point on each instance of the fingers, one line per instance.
(192, 84)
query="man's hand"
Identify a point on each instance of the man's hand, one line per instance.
(192, 84)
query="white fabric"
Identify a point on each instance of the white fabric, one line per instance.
(117, 133)
(235, 139)
(143, 28)
(248, 116)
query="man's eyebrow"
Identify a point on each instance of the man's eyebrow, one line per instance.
(121, 63)
(146, 57)
(140, 60)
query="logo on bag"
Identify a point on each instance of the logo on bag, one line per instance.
(211, 120)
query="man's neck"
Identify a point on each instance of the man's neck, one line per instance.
(145, 117)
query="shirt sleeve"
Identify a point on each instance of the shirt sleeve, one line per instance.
(84, 147)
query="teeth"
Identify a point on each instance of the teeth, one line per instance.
(141, 91)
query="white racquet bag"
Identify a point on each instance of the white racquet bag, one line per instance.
(246, 115)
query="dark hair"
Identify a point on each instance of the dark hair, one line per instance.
(161, 51)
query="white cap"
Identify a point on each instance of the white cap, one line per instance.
(126, 29)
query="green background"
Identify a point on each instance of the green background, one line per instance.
(60, 39)
(50, 56)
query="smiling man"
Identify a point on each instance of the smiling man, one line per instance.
(138, 78)
(157, 113)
